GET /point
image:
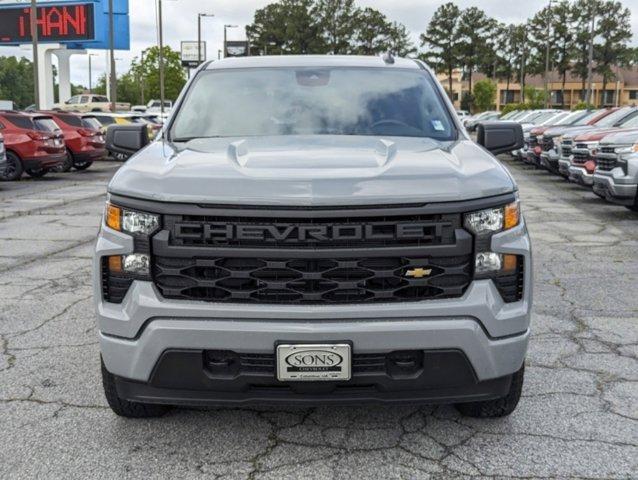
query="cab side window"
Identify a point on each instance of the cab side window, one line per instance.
(84, 99)
(74, 100)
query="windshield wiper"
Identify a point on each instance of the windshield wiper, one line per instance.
(188, 139)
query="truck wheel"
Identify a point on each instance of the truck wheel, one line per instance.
(36, 172)
(66, 165)
(634, 207)
(499, 407)
(13, 170)
(124, 408)
(82, 165)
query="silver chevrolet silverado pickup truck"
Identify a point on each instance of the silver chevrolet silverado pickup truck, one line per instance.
(311, 230)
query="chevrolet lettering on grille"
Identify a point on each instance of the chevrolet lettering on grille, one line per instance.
(224, 232)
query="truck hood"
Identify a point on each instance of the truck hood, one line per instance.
(312, 170)
(595, 135)
(623, 137)
(571, 130)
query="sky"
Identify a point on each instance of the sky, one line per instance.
(180, 23)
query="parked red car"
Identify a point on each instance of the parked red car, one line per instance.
(34, 144)
(83, 138)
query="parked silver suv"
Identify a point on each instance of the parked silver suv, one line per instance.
(313, 229)
(616, 174)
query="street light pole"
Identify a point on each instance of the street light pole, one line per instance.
(549, 19)
(161, 56)
(33, 17)
(226, 49)
(91, 72)
(590, 92)
(199, 35)
(112, 80)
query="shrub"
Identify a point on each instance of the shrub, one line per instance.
(484, 95)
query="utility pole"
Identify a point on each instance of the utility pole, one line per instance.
(549, 21)
(590, 91)
(33, 17)
(225, 27)
(161, 56)
(113, 79)
(91, 72)
(199, 35)
(142, 79)
(523, 72)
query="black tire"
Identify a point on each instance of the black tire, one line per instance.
(124, 408)
(13, 170)
(499, 407)
(82, 165)
(36, 172)
(66, 165)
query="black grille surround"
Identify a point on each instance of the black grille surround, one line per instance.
(359, 257)
(607, 157)
(580, 154)
(566, 148)
(392, 265)
(310, 280)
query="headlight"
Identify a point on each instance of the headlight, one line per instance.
(130, 221)
(493, 220)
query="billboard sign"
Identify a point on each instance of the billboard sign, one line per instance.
(191, 55)
(238, 48)
(56, 23)
(77, 24)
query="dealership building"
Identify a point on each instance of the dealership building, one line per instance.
(620, 91)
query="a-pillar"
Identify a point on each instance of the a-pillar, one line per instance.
(64, 71)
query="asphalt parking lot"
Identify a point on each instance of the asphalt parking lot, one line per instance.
(578, 417)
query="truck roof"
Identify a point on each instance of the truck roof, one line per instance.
(312, 61)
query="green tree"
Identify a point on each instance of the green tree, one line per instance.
(614, 26)
(582, 11)
(174, 75)
(512, 46)
(16, 81)
(442, 39)
(145, 74)
(484, 95)
(286, 27)
(372, 32)
(399, 40)
(336, 19)
(475, 30)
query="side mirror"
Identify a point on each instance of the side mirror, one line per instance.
(126, 139)
(500, 137)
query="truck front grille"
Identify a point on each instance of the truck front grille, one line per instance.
(312, 280)
(607, 158)
(581, 154)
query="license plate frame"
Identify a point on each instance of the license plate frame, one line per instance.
(313, 362)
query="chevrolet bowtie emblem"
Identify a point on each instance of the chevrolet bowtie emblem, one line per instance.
(418, 272)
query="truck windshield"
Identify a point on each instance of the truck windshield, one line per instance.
(312, 101)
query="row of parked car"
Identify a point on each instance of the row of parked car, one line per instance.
(40, 142)
(597, 149)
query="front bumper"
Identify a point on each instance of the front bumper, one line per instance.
(563, 166)
(491, 334)
(616, 187)
(580, 176)
(549, 160)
